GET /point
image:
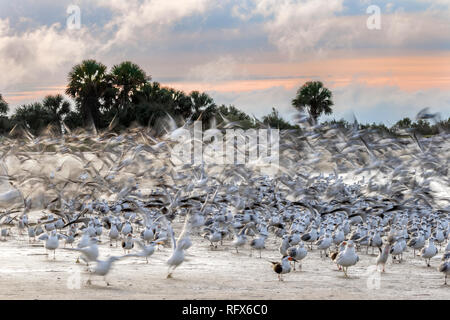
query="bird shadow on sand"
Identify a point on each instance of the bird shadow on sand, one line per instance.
(111, 287)
(349, 277)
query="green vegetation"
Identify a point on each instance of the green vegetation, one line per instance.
(125, 96)
(314, 98)
(274, 120)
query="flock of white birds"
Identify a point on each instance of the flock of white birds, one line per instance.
(338, 192)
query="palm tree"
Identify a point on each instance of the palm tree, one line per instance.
(88, 82)
(3, 106)
(57, 107)
(32, 116)
(127, 78)
(202, 104)
(315, 97)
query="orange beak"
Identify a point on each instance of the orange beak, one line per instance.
(291, 259)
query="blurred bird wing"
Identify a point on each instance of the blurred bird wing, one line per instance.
(43, 237)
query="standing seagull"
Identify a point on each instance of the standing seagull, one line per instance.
(311, 236)
(51, 241)
(417, 243)
(348, 257)
(298, 253)
(444, 267)
(335, 254)
(128, 243)
(325, 243)
(258, 243)
(429, 252)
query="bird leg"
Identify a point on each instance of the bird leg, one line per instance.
(169, 274)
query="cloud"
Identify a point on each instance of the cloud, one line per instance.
(299, 28)
(222, 69)
(38, 54)
(135, 20)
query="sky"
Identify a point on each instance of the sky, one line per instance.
(253, 54)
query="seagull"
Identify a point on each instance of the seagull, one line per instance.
(335, 254)
(417, 243)
(311, 236)
(284, 245)
(128, 243)
(88, 253)
(298, 253)
(239, 240)
(429, 252)
(113, 234)
(146, 250)
(102, 268)
(147, 235)
(325, 243)
(213, 236)
(258, 243)
(51, 241)
(177, 256)
(348, 257)
(397, 249)
(444, 267)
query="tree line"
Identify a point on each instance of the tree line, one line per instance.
(126, 96)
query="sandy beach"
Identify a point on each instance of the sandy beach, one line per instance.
(27, 273)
